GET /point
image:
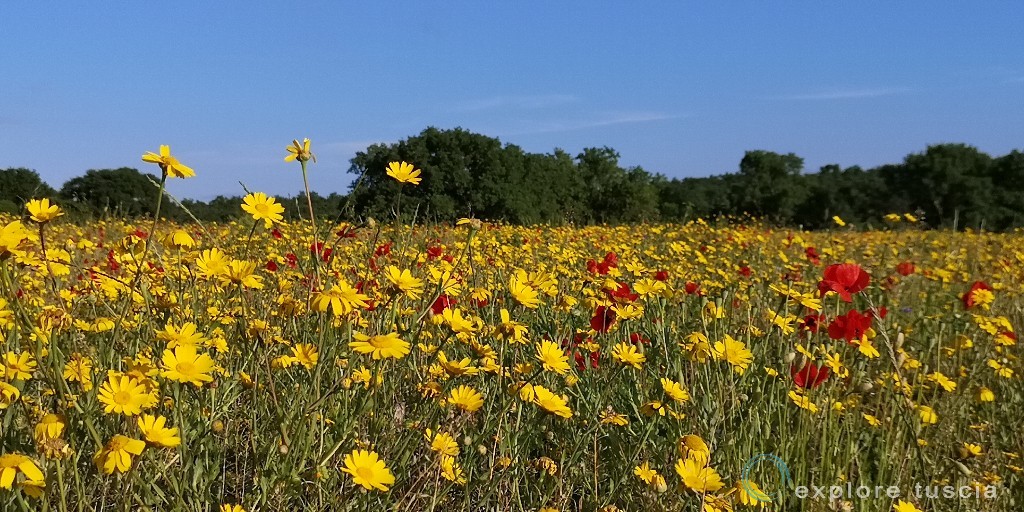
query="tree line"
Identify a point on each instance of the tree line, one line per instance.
(466, 174)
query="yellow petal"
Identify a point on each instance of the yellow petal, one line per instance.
(31, 471)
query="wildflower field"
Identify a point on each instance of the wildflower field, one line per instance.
(264, 365)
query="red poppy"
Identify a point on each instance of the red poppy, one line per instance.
(621, 293)
(638, 338)
(968, 297)
(850, 327)
(603, 319)
(905, 268)
(272, 265)
(812, 255)
(844, 279)
(442, 303)
(813, 321)
(745, 271)
(434, 252)
(810, 376)
(383, 250)
(276, 234)
(661, 275)
(692, 288)
(581, 360)
(611, 260)
(345, 232)
(321, 250)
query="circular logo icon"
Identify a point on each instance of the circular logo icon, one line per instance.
(753, 490)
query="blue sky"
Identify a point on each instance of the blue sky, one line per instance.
(680, 88)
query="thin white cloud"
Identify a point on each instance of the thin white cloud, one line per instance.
(847, 94)
(610, 119)
(515, 102)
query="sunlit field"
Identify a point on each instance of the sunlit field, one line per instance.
(382, 365)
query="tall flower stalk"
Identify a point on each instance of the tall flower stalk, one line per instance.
(301, 152)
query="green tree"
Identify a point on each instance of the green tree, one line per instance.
(947, 182)
(1007, 174)
(465, 174)
(123, 191)
(18, 185)
(615, 194)
(769, 185)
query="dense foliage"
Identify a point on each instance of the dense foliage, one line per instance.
(468, 174)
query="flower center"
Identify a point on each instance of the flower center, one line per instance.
(122, 397)
(365, 472)
(185, 368)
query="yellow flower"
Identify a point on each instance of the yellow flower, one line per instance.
(179, 238)
(231, 508)
(693, 447)
(839, 222)
(943, 381)
(176, 337)
(466, 398)
(156, 433)
(451, 470)
(928, 416)
(8, 395)
(12, 238)
(17, 366)
(971, 450)
(168, 164)
(40, 210)
(803, 402)
(186, 365)
(523, 293)
(13, 463)
(404, 172)
(552, 357)
(404, 282)
(645, 473)
(50, 427)
(463, 366)
(550, 402)
(873, 421)
(698, 477)
(299, 152)
(381, 346)
(756, 497)
(443, 443)
(368, 470)
(116, 456)
(903, 506)
(674, 390)
(242, 273)
(609, 417)
(264, 208)
(628, 355)
(123, 395)
(341, 299)
(306, 354)
(986, 395)
(213, 263)
(733, 352)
